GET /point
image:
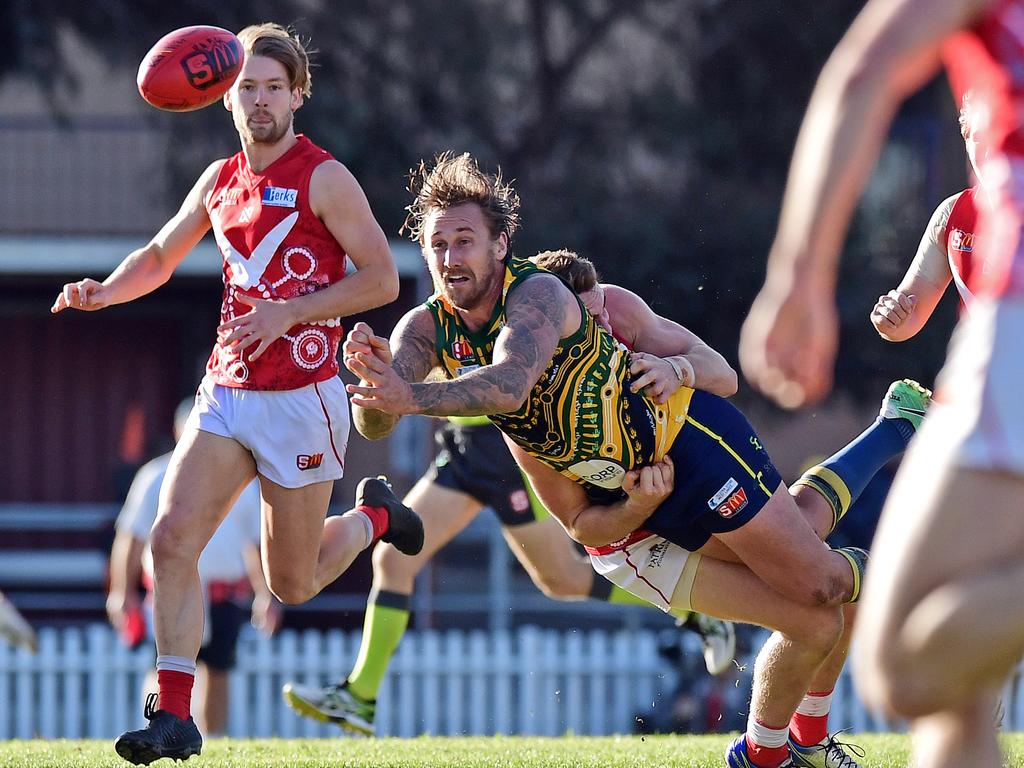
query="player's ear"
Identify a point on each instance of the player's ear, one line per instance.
(227, 99)
(297, 99)
(501, 247)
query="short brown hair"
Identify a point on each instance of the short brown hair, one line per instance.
(578, 271)
(283, 45)
(456, 179)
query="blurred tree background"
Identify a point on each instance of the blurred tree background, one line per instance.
(651, 135)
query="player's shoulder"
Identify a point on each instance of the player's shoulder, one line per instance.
(208, 178)
(540, 285)
(332, 183)
(621, 301)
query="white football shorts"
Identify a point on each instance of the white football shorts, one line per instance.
(652, 568)
(979, 411)
(297, 436)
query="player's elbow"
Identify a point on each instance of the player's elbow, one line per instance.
(386, 283)
(389, 286)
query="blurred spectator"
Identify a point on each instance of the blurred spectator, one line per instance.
(229, 569)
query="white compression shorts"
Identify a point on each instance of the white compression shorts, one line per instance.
(650, 567)
(297, 436)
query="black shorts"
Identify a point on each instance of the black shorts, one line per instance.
(723, 476)
(473, 459)
(226, 620)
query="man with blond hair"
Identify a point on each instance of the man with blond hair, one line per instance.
(286, 217)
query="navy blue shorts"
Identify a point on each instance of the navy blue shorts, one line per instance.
(473, 459)
(723, 476)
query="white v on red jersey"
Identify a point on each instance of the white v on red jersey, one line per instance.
(274, 247)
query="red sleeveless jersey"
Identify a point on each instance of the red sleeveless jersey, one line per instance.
(986, 61)
(964, 262)
(274, 247)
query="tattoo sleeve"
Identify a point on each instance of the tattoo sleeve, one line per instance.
(535, 315)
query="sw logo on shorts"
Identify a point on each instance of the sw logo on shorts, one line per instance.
(281, 197)
(733, 504)
(306, 461)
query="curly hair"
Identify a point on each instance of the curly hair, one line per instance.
(578, 271)
(456, 179)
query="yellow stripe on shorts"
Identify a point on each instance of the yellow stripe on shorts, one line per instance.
(731, 452)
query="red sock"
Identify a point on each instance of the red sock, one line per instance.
(175, 692)
(378, 519)
(766, 757)
(809, 724)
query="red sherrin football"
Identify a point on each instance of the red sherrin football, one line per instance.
(190, 68)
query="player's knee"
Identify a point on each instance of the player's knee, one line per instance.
(397, 570)
(170, 543)
(820, 632)
(290, 588)
(815, 588)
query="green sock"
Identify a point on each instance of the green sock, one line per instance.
(387, 616)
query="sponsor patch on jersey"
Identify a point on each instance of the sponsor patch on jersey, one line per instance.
(462, 350)
(279, 196)
(734, 503)
(599, 472)
(723, 492)
(961, 241)
(462, 370)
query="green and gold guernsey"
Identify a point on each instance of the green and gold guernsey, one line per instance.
(580, 418)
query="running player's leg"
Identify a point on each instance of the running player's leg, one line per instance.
(947, 619)
(826, 491)
(964, 736)
(804, 637)
(351, 702)
(737, 497)
(206, 475)
(445, 513)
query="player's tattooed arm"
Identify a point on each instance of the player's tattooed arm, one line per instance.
(537, 314)
(410, 355)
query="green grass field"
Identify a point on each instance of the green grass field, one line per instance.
(497, 752)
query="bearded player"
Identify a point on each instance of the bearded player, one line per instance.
(286, 217)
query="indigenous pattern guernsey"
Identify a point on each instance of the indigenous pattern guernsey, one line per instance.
(580, 417)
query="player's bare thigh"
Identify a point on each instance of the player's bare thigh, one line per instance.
(445, 513)
(733, 592)
(781, 547)
(939, 526)
(551, 559)
(205, 477)
(292, 527)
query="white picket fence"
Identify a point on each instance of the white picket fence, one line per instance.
(85, 684)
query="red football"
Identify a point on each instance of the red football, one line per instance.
(190, 68)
